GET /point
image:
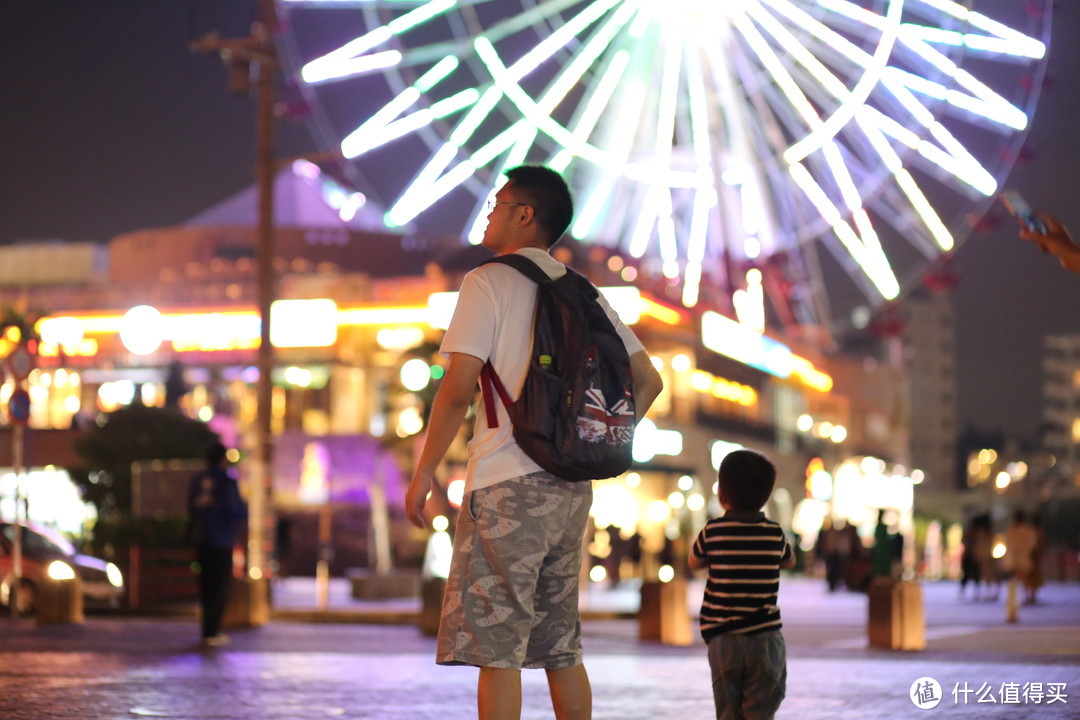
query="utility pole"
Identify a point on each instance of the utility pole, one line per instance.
(255, 57)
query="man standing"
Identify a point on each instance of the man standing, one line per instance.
(512, 596)
(216, 515)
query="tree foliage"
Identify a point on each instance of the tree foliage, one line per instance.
(107, 451)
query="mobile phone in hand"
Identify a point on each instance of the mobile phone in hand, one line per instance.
(1019, 208)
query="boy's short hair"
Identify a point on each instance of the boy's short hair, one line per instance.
(746, 479)
(547, 193)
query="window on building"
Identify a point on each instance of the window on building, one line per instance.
(1076, 430)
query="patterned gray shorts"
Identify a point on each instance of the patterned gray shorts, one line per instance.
(512, 596)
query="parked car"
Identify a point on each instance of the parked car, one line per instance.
(46, 553)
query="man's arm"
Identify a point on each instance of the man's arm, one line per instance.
(451, 402)
(647, 382)
(694, 562)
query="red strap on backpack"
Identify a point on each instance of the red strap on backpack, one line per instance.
(489, 380)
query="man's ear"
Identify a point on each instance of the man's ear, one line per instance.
(528, 214)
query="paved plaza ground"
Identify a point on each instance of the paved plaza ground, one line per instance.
(295, 667)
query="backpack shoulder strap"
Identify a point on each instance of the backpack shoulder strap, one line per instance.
(490, 383)
(523, 265)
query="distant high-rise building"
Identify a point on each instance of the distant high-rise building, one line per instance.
(1061, 401)
(930, 358)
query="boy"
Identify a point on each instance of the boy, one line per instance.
(740, 620)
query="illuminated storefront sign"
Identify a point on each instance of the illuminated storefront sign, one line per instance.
(727, 337)
(738, 342)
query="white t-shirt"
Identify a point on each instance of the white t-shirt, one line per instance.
(493, 321)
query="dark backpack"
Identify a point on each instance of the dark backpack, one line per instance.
(575, 414)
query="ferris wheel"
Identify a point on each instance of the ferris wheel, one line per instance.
(824, 152)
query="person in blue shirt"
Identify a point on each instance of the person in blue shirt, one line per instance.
(217, 515)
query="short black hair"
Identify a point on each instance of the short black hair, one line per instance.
(746, 479)
(215, 453)
(545, 191)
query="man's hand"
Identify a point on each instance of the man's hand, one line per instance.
(416, 498)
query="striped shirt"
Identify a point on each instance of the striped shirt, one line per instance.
(743, 551)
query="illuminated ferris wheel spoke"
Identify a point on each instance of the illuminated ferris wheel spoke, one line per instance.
(863, 246)
(350, 59)
(981, 101)
(756, 130)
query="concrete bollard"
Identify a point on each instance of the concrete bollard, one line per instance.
(59, 601)
(248, 604)
(664, 615)
(895, 618)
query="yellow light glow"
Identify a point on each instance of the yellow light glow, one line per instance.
(805, 423)
(399, 338)
(255, 573)
(1002, 480)
(406, 315)
(838, 434)
(999, 551)
(663, 313)
(666, 573)
(415, 375)
(455, 492)
(439, 523)
(676, 500)
(658, 511)
(695, 502)
(60, 570)
(303, 323)
(804, 370)
(298, 376)
(685, 483)
(598, 574)
(633, 479)
(680, 363)
(701, 381)
(409, 422)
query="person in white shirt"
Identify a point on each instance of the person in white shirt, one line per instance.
(511, 598)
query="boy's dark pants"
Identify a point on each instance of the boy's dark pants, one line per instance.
(749, 675)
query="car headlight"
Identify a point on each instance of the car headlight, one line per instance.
(116, 578)
(60, 570)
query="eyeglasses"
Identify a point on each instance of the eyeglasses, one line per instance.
(492, 204)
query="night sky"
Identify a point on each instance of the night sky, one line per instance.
(109, 124)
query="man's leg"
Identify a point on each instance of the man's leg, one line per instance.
(571, 693)
(498, 694)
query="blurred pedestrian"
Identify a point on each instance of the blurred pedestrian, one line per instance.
(969, 566)
(1020, 542)
(884, 551)
(740, 619)
(988, 584)
(1038, 552)
(216, 515)
(827, 548)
